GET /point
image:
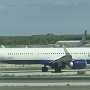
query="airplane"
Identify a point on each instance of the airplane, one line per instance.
(75, 43)
(56, 58)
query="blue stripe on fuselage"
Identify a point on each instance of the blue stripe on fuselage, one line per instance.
(26, 61)
(30, 61)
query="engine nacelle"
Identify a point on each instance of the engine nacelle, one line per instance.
(78, 64)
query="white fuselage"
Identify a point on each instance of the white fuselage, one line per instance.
(77, 41)
(71, 43)
(42, 53)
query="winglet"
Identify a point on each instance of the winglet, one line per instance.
(2, 46)
(66, 51)
(26, 47)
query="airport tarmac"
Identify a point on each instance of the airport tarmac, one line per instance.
(39, 72)
(44, 81)
(45, 88)
(3, 65)
(64, 78)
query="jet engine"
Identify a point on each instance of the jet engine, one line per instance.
(78, 64)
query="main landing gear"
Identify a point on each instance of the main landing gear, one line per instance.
(57, 69)
(44, 69)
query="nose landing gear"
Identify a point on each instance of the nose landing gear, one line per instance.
(44, 69)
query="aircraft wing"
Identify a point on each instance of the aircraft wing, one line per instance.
(67, 58)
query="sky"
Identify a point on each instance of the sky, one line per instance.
(37, 17)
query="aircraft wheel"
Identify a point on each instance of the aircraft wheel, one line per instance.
(57, 69)
(44, 69)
